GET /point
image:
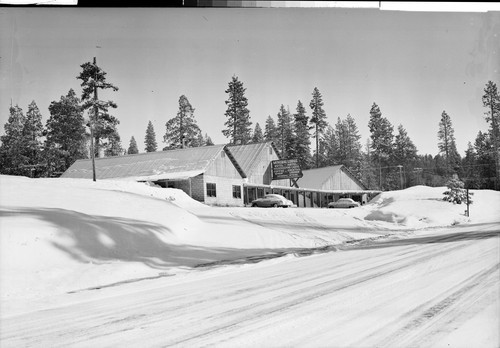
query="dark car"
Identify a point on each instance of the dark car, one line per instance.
(272, 200)
(344, 203)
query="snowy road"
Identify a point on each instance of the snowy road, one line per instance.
(436, 288)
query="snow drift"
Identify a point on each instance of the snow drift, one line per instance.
(64, 235)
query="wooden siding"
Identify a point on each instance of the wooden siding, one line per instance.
(224, 191)
(261, 171)
(341, 181)
(224, 175)
(223, 167)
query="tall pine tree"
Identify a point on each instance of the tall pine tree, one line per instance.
(447, 146)
(182, 130)
(257, 136)
(341, 137)
(405, 151)
(381, 135)
(32, 142)
(329, 148)
(66, 139)
(284, 132)
(348, 147)
(485, 160)
(103, 124)
(238, 116)
(270, 132)
(470, 171)
(491, 101)
(150, 138)
(368, 175)
(12, 159)
(353, 146)
(302, 141)
(318, 119)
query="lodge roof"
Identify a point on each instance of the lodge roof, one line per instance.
(248, 155)
(148, 166)
(315, 178)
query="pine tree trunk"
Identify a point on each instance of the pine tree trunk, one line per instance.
(96, 115)
(317, 147)
(494, 128)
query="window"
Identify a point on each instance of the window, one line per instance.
(211, 190)
(236, 191)
(270, 150)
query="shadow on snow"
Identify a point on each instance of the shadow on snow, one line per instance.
(104, 239)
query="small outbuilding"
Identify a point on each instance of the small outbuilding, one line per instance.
(333, 183)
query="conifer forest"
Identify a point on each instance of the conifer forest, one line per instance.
(79, 123)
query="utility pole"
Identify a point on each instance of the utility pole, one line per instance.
(317, 146)
(96, 113)
(379, 174)
(400, 176)
(468, 203)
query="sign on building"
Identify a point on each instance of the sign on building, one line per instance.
(286, 169)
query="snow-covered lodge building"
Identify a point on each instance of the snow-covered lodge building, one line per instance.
(231, 175)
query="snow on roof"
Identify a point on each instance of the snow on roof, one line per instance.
(315, 178)
(171, 164)
(247, 155)
(165, 176)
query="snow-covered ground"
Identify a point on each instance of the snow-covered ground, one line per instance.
(69, 246)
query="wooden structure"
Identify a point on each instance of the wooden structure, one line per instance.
(226, 175)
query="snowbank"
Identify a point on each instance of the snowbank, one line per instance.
(422, 207)
(63, 235)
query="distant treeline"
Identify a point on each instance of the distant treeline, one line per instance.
(388, 160)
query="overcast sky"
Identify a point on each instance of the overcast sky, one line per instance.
(413, 65)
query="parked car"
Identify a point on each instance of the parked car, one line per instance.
(344, 203)
(272, 200)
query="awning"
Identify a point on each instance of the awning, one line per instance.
(302, 189)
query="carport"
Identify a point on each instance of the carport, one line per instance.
(303, 197)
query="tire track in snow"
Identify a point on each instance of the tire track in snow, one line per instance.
(272, 306)
(376, 333)
(106, 316)
(218, 324)
(267, 323)
(230, 297)
(469, 292)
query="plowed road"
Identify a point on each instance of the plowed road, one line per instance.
(439, 289)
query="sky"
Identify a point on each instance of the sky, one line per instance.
(413, 65)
